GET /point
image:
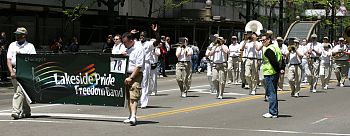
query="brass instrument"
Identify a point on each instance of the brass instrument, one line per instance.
(254, 26)
(218, 42)
(292, 48)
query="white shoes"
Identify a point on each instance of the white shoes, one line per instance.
(219, 97)
(268, 115)
(153, 94)
(341, 85)
(229, 82)
(183, 95)
(325, 87)
(253, 92)
(131, 120)
(296, 94)
(313, 90)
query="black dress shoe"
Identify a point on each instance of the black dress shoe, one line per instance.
(16, 116)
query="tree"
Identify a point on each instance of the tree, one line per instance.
(110, 11)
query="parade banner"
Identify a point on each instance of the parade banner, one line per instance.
(84, 79)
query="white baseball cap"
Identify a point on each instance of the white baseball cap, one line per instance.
(21, 30)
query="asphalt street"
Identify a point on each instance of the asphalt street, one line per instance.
(326, 113)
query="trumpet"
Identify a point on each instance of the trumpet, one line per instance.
(218, 42)
(292, 48)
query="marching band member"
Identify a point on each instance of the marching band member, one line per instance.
(294, 55)
(284, 50)
(251, 63)
(242, 59)
(304, 60)
(210, 64)
(341, 64)
(233, 62)
(219, 53)
(183, 67)
(325, 66)
(153, 73)
(148, 46)
(313, 66)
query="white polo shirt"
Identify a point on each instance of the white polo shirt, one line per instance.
(147, 47)
(154, 55)
(15, 48)
(118, 49)
(316, 46)
(136, 57)
(234, 50)
(183, 56)
(294, 58)
(339, 48)
(220, 56)
(251, 50)
(326, 56)
(284, 50)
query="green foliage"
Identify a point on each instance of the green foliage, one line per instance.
(170, 4)
(74, 13)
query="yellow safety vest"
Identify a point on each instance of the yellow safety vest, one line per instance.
(266, 66)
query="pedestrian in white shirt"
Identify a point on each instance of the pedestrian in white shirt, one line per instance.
(153, 75)
(20, 104)
(341, 64)
(313, 54)
(233, 62)
(251, 63)
(118, 47)
(219, 52)
(148, 47)
(294, 56)
(284, 50)
(183, 68)
(135, 67)
(325, 65)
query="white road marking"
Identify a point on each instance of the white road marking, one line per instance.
(161, 91)
(71, 115)
(319, 121)
(206, 91)
(34, 107)
(35, 121)
(257, 130)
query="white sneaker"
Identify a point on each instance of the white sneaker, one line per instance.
(268, 115)
(341, 85)
(127, 120)
(314, 90)
(296, 94)
(183, 95)
(133, 121)
(325, 87)
(153, 94)
(229, 82)
(252, 93)
(219, 97)
(246, 87)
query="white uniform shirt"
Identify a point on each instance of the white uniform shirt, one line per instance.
(154, 55)
(207, 51)
(294, 58)
(15, 48)
(118, 49)
(316, 46)
(284, 50)
(244, 53)
(234, 50)
(342, 48)
(136, 57)
(147, 47)
(183, 56)
(251, 50)
(303, 49)
(326, 56)
(219, 56)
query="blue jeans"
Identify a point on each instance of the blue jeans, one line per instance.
(271, 90)
(194, 63)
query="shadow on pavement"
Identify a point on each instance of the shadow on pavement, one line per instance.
(285, 116)
(151, 107)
